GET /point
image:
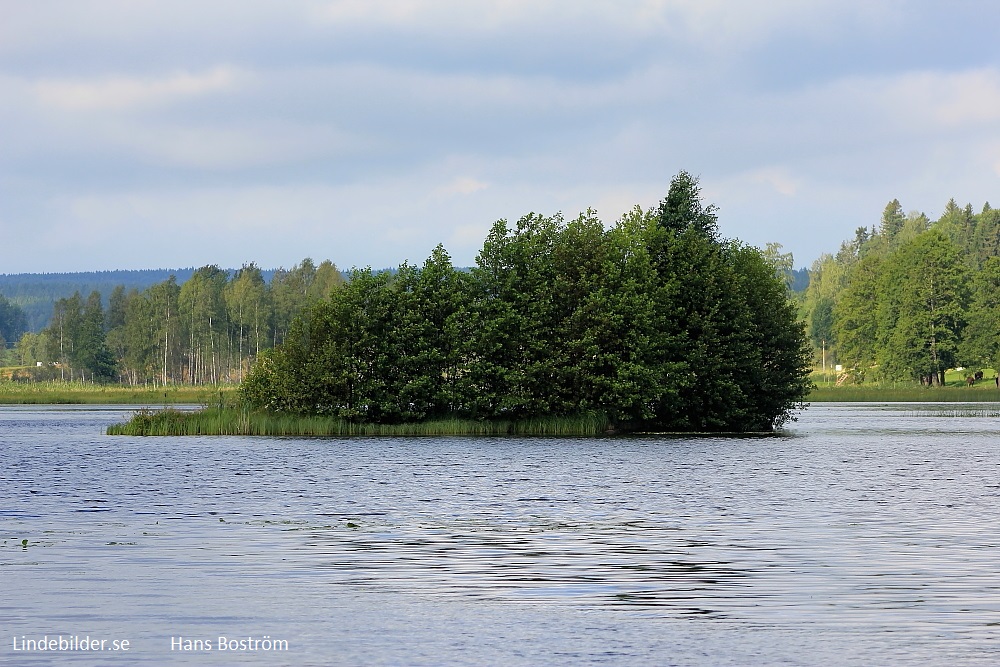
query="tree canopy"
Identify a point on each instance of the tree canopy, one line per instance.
(208, 329)
(656, 323)
(910, 297)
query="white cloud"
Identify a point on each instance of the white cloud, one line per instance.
(778, 178)
(947, 99)
(710, 23)
(120, 92)
(235, 148)
(463, 185)
(370, 130)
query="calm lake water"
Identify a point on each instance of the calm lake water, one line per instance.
(868, 535)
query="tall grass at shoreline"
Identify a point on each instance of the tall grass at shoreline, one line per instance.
(237, 421)
(977, 413)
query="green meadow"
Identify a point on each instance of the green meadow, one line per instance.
(59, 392)
(955, 390)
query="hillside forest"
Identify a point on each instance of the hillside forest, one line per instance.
(909, 297)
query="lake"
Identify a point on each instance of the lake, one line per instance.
(869, 534)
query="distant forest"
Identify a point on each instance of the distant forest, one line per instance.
(909, 298)
(159, 326)
(36, 293)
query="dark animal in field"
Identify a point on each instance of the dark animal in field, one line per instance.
(979, 376)
(970, 380)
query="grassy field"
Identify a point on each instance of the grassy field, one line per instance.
(956, 390)
(235, 421)
(900, 394)
(57, 392)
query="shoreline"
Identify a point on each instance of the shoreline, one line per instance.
(57, 393)
(81, 393)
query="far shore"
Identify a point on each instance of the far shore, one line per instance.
(55, 392)
(84, 393)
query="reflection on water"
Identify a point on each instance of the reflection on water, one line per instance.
(866, 535)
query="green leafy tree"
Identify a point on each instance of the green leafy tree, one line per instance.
(827, 278)
(13, 321)
(892, 220)
(959, 224)
(980, 345)
(202, 307)
(295, 289)
(249, 312)
(132, 338)
(855, 327)
(90, 351)
(31, 348)
(783, 263)
(924, 298)
(684, 209)
(64, 332)
(432, 334)
(773, 373)
(163, 318)
(987, 239)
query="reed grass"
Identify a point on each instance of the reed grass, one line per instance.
(238, 421)
(979, 413)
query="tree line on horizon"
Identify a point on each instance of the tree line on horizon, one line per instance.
(36, 293)
(909, 298)
(656, 321)
(207, 330)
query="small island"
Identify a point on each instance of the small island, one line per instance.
(561, 327)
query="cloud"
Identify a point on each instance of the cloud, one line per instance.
(946, 99)
(778, 178)
(241, 147)
(370, 130)
(693, 20)
(463, 185)
(119, 92)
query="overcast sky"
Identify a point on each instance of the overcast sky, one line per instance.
(147, 133)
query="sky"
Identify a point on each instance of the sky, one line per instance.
(165, 134)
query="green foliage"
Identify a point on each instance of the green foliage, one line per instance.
(892, 219)
(980, 345)
(781, 262)
(655, 323)
(50, 392)
(683, 208)
(237, 421)
(207, 330)
(911, 299)
(855, 328)
(923, 297)
(13, 321)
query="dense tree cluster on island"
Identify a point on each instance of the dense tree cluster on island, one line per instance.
(657, 322)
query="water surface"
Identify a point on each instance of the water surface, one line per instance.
(867, 535)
